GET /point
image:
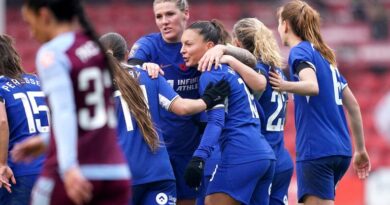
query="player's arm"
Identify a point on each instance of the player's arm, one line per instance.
(57, 86)
(171, 101)
(195, 168)
(6, 173)
(140, 55)
(361, 159)
(256, 81)
(213, 56)
(213, 95)
(307, 84)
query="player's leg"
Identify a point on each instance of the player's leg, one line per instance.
(220, 199)
(160, 193)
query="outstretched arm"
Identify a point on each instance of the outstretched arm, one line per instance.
(213, 95)
(361, 160)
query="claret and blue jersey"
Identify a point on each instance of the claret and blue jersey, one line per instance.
(27, 115)
(320, 120)
(181, 133)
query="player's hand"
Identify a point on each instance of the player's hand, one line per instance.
(78, 189)
(276, 81)
(29, 149)
(194, 172)
(153, 69)
(361, 164)
(6, 175)
(226, 59)
(216, 94)
(212, 56)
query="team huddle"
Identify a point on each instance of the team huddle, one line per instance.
(191, 115)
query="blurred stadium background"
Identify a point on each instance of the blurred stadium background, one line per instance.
(358, 30)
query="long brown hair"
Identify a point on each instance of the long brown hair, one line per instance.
(9, 58)
(259, 40)
(129, 87)
(305, 22)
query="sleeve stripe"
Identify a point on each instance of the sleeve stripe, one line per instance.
(165, 102)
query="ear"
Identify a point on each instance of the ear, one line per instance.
(236, 43)
(285, 26)
(46, 15)
(209, 45)
(186, 14)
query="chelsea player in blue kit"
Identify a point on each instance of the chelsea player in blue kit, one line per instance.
(323, 142)
(181, 133)
(23, 113)
(152, 174)
(236, 127)
(252, 34)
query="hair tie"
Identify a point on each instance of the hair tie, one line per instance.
(109, 51)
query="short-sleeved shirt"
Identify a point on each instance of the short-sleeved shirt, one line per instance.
(320, 120)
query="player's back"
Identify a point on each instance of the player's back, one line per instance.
(273, 105)
(27, 115)
(91, 84)
(146, 165)
(320, 120)
(241, 133)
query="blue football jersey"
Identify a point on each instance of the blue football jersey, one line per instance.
(181, 133)
(320, 120)
(273, 105)
(27, 115)
(272, 110)
(240, 140)
(145, 165)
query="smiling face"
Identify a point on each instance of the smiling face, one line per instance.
(194, 47)
(38, 23)
(170, 20)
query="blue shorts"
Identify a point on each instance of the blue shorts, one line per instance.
(21, 191)
(283, 172)
(155, 193)
(179, 164)
(205, 183)
(279, 190)
(251, 186)
(319, 177)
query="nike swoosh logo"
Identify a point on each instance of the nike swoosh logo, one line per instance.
(164, 66)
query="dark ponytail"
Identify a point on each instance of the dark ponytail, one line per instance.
(213, 31)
